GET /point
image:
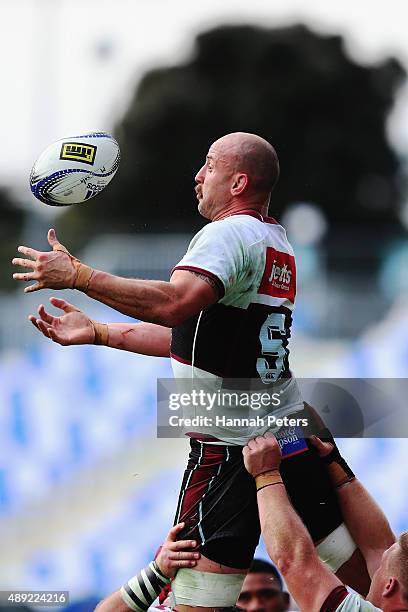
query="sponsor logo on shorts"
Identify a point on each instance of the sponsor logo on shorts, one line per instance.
(291, 441)
(79, 152)
(279, 278)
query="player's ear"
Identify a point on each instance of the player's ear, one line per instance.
(391, 587)
(239, 184)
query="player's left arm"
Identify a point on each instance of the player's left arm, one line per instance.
(287, 541)
(160, 302)
(141, 590)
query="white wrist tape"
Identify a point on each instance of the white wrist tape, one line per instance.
(336, 548)
(141, 590)
(207, 589)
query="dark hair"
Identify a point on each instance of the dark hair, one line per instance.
(259, 566)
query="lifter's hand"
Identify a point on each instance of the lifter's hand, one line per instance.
(73, 327)
(175, 554)
(56, 269)
(323, 448)
(262, 455)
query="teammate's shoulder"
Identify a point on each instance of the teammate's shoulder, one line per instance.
(355, 603)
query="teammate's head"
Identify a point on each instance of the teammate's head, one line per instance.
(240, 170)
(389, 585)
(262, 590)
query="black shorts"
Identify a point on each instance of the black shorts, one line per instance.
(218, 498)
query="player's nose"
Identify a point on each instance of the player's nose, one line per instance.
(254, 606)
(199, 177)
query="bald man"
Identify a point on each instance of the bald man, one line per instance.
(225, 315)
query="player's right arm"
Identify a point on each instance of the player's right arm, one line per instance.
(75, 327)
(287, 541)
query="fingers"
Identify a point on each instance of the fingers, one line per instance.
(323, 448)
(316, 442)
(67, 307)
(43, 327)
(25, 276)
(23, 263)
(181, 545)
(171, 536)
(267, 439)
(48, 318)
(269, 434)
(28, 251)
(252, 444)
(31, 288)
(27, 263)
(55, 243)
(48, 331)
(52, 237)
(33, 321)
(182, 563)
(55, 338)
(183, 556)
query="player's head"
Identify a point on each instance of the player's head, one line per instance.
(262, 590)
(389, 585)
(239, 168)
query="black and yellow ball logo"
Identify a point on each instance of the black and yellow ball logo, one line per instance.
(79, 152)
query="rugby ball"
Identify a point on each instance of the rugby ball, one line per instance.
(75, 169)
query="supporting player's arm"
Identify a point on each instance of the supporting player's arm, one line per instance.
(364, 518)
(159, 302)
(287, 540)
(75, 327)
(141, 590)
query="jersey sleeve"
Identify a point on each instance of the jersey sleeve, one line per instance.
(217, 251)
(340, 600)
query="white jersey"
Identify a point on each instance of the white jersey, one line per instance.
(245, 334)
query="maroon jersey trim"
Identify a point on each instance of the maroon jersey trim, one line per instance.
(271, 220)
(213, 277)
(336, 597)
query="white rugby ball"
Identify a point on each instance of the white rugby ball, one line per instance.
(73, 170)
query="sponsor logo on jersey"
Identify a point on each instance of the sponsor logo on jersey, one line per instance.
(291, 441)
(279, 277)
(80, 152)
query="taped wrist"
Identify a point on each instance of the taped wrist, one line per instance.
(338, 468)
(268, 478)
(141, 590)
(83, 272)
(101, 333)
(83, 276)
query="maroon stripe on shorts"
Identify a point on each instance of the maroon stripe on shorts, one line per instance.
(207, 467)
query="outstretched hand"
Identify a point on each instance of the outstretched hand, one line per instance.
(73, 327)
(56, 269)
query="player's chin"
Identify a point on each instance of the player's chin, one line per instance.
(202, 209)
